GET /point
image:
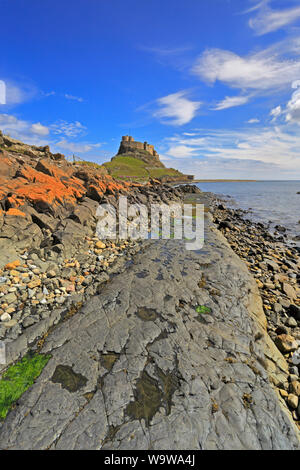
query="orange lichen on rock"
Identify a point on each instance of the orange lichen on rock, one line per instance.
(13, 265)
(46, 184)
(15, 212)
(36, 186)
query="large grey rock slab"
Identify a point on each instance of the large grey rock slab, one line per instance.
(139, 368)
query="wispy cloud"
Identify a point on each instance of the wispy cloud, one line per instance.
(276, 112)
(267, 152)
(174, 56)
(77, 147)
(166, 50)
(48, 93)
(268, 20)
(39, 129)
(21, 129)
(290, 113)
(69, 129)
(16, 93)
(74, 98)
(260, 71)
(39, 134)
(253, 121)
(231, 101)
(176, 109)
(293, 106)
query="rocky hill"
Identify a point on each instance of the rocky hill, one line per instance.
(137, 161)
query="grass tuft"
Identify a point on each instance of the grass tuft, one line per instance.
(202, 309)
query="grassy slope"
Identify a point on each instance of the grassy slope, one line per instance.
(127, 167)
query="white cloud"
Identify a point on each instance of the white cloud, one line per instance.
(270, 152)
(39, 129)
(33, 133)
(21, 129)
(77, 147)
(181, 151)
(166, 51)
(260, 71)
(2, 92)
(74, 98)
(268, 20)
(253, 121)
(177, 109)
(70, 129)
(50, 93)
(16, 94)
(293, 106)
(276, 112)
(231, 101)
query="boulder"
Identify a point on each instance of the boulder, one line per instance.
(286, 343)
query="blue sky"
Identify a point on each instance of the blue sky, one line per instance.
(213, 84)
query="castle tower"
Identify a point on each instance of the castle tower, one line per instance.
(125, 138)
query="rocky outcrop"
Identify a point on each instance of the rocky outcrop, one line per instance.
(44, 197)
(140, 368)
(48, 223)
(49, 203)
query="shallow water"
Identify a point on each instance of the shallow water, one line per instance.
(276, 202)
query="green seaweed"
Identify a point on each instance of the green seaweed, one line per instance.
(202, 309)
(18, 378)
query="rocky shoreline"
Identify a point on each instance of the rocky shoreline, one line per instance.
(275, 266)
(174, 355)
(53, 280)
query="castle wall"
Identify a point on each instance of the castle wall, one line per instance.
(128, 142)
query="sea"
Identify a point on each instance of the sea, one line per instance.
(270, 202)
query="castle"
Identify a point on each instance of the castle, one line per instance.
(128, 144)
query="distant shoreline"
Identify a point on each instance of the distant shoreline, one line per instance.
(224, 181)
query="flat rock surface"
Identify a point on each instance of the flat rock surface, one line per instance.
(139, 368)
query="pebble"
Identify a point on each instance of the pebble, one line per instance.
(100, 245)
(291, 322)
(294, 370)
(293, 401)
(289, 291)
(10, 323)
(293, 378)
(294, 388)
(5, 317)
(295, 358)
